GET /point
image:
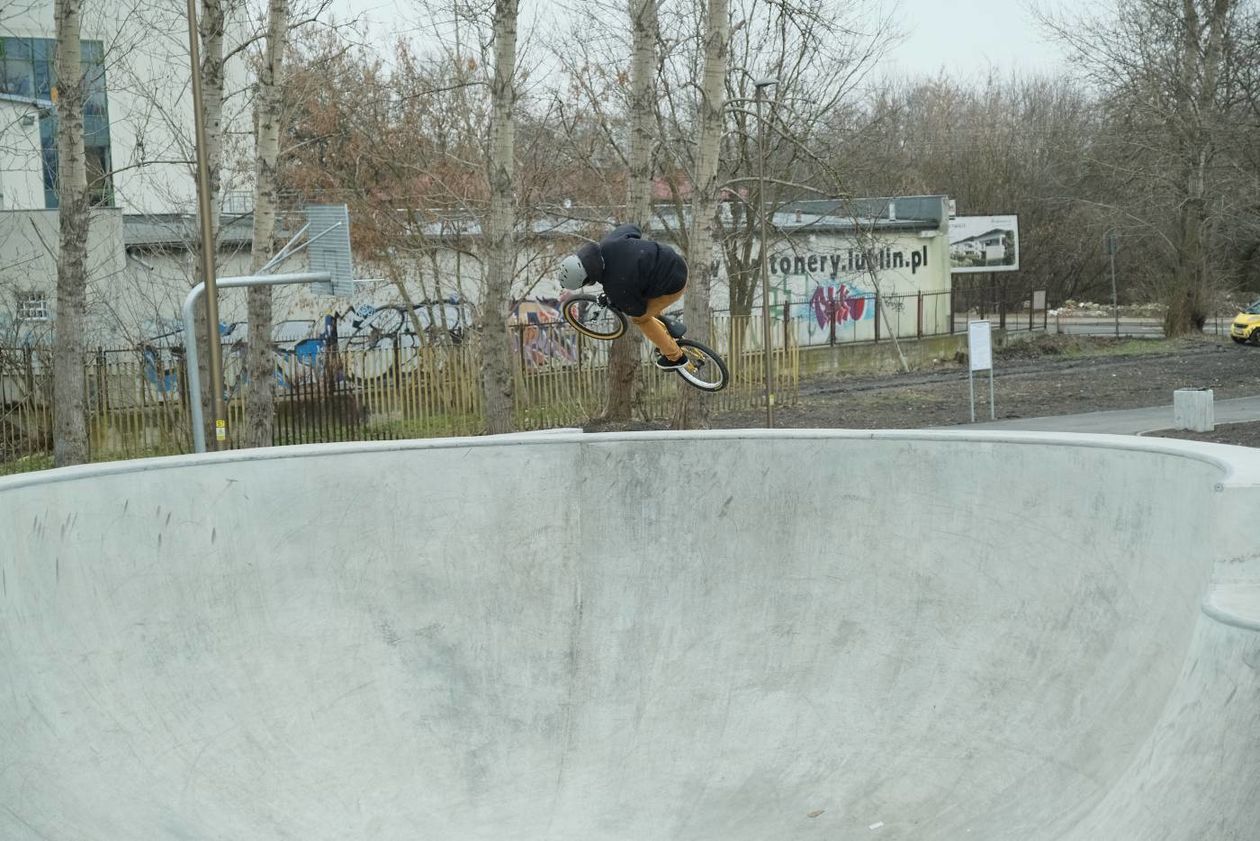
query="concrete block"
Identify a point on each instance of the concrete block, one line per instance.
(1193, 409)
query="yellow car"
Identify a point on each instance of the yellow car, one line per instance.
(1246, 326)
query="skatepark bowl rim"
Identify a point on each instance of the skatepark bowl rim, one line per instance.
(909, 635)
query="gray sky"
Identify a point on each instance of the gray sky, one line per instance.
(965, 37)
(968, 37)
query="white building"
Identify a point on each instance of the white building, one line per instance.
(137, 135)
(139, 127)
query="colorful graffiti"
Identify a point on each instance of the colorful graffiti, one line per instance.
(160, 373)
(838, 305)
(367, 326)
(302, 347)
(540, 339)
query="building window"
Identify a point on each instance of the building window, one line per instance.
(28, 67)
(32, 306)
(238, 202)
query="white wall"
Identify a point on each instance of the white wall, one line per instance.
(147, 78)
(28, 264)
(21, 160)
(832, 292)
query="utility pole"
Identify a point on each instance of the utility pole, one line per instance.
(1115, 301)
(215, 349)
(766, 343)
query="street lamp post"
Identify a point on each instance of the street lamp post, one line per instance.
(1115, 300)
(761, 85)
(215, 357)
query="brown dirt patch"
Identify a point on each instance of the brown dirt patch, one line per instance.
(1050, 375)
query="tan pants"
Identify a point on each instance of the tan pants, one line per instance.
(654, 328)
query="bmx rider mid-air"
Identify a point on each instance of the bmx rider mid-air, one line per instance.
(640, 277)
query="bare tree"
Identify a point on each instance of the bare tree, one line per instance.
(624, 361)
(1170, 74)
(1020, 144)
(70, 438)
(692, 412)
(212, 24)
(819, 52)
(497, 378)
(260, 361)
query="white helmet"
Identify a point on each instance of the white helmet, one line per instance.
(572, 272)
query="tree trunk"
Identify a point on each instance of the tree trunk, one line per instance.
(260, 398)
(626, 353)
(1188, 299)
(211, 25)
(70, 437)
(497, 380)
(692, 410)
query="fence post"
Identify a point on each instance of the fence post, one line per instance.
(520, 348)
(830, 308)
(787, 320)
(1002, 306)
(877, 319)
(919, 317)
(28, 361)
(397, 402)
(953, 288)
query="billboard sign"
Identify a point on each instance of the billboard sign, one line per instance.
(984, 244)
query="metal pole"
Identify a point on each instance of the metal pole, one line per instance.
(766, 339)
(971, 380)
(992, 404)
(207, 240)
(190, 338)
(1115, 301)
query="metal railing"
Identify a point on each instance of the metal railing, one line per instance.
(137, 399)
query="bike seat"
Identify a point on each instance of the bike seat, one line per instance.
(675, 326)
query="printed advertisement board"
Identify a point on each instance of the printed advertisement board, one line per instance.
(984, 244)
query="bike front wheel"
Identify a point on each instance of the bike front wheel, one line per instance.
(593, 317)
(704, 369)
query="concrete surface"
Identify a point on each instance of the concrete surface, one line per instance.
(1120, 421)
(731, 636)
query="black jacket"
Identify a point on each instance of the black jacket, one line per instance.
(633, 269)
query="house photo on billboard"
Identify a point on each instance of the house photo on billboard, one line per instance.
(984, 243)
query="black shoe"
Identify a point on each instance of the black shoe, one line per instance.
(670, 364)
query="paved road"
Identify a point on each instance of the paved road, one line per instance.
(1124, 421)
(729, 636)
(1141, 328)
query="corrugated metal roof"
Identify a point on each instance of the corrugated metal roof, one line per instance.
(899, 213)
(179, 229)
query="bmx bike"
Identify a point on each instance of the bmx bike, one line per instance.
(595, 317)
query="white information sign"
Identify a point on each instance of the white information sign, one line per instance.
(980, 355)
(980, 345)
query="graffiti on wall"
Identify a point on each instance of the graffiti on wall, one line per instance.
(302, 347)
(539, 339)
(840, 304)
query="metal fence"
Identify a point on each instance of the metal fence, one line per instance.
(401, 386)
(137, 405)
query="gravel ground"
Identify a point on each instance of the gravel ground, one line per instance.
(1050, 375)
(1242, 434)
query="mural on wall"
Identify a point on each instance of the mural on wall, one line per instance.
(822, 307)
(840, 304)
(829, 289)
(539, 338)
(302, 346)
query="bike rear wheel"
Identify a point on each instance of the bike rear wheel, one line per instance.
(705, 369)
(593, 317)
